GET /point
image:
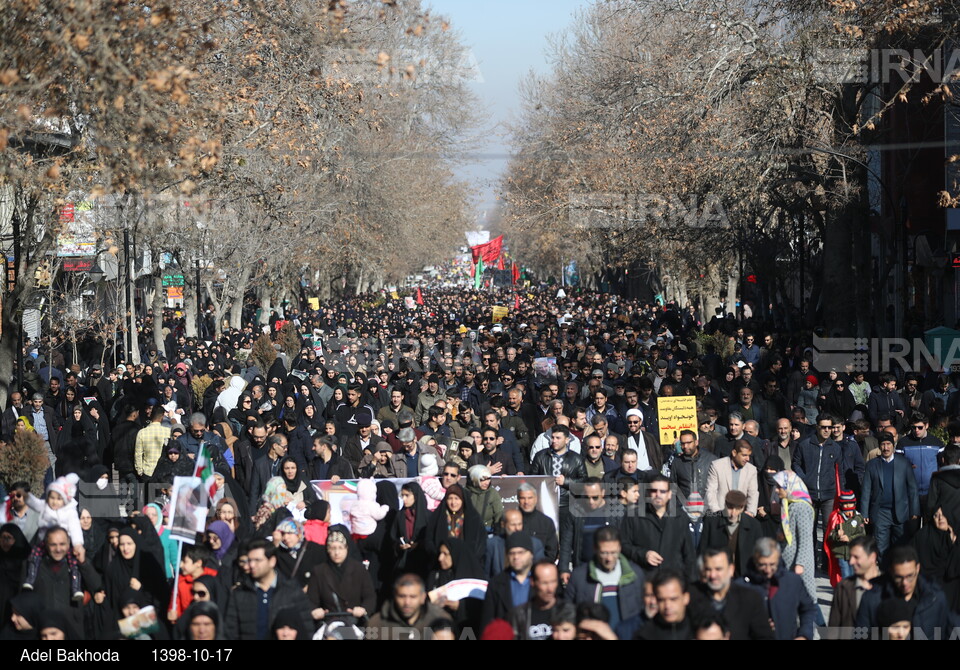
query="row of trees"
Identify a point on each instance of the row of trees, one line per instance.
(701, 140)
(270, 141)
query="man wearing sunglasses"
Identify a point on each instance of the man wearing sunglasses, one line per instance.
(16, 511)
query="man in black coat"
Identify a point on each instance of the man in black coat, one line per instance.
(328, 464)
(260, 595)
(742, 607)
(732, 531)
(267, 467)
(511, 588)
(661, 537)
(535, 522)
(246, 451)
(904, 582)
(587, 515)
(52, 584)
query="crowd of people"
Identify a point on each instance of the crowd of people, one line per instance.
(792, 472)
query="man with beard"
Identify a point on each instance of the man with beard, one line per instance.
(531, 621)
(659, 539)
(742, 607)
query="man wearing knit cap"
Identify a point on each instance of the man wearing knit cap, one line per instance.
(511, 588)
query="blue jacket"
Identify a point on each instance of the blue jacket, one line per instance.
(923, 457)
(884, 401)
(791, 602)
(930, 616)
(815, 465)
(906, 500)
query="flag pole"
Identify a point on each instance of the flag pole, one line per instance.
(176, 580)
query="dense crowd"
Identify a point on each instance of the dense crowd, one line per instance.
(718, 531)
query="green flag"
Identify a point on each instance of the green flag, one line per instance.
(478, 275)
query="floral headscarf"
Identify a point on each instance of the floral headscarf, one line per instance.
(797, 492)
(276, 493)
(291, 526)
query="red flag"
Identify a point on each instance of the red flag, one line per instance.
(488, 251)
(516, 275)
(516, 300)
(419, 296)
(500, 265)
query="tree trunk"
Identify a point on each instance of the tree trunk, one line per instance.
(159, 295)
(265, 306)
(8, 349)
(733, 284)
(190, 304)
(236, 305)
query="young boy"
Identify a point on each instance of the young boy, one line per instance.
(193, 565)
(847, 527)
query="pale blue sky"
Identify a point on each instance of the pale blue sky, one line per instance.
(508, 39)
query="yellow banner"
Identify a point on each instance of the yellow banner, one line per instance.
(394, 295)
(499, 313)
(314, 303)
(676, 413)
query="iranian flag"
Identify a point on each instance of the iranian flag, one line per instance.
(205, 472)
(478, 275)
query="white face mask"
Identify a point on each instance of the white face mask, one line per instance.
(102, 483)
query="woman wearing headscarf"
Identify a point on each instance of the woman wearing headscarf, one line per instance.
(298, 487)
(273, 507)
(296, 557)
(78, 444)
(20, 625)
(94, 532)
(222, 542)
(202, 622)
(838, 400)
(208, 587)
(939, 551)
(483, 497)
(154, 513)
(130, 604)
(288, 625)
(67, 403)
(108, 551)
(210, 395)
(172, 464)
(339, 397)
(101, 499)
(228, 511)
(791, 502)
(454, 561)
(54, 625)
(14, 550)
(456, 518)
(312, 420)
(137, 569)
(341, 584)
(409, 530)
(229, 488)
(288, 408)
